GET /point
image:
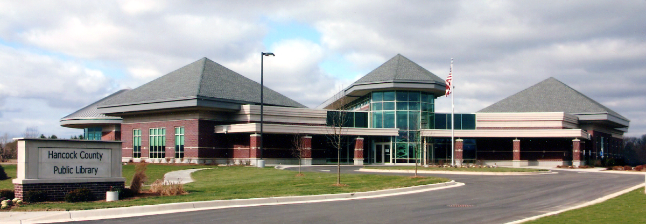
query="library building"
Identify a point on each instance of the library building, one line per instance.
(205, 113)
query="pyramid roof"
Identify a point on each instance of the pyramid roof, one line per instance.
(201, 80)
(551, 95)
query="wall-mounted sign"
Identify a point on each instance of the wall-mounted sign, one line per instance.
(74, 163)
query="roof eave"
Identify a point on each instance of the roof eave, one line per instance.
(172, 104)
(358, 90)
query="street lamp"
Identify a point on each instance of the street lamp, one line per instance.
(261, 162)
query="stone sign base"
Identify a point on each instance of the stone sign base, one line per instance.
(56, 167)
(57, 191)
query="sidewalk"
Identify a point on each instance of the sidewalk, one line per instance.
(67, 216)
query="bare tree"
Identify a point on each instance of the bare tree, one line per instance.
(31, 132)
(298, 147)
(3, 148)
(336, 121)
(7, 148)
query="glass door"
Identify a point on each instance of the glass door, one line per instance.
(382, 153)
(379, 153)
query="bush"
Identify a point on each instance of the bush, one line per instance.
(628, 168)
(35, 196)
(125, 193)
(639, 168)
(167, 188)
(3, 174)
(139, 178)
(617, 168)
(79, 195)
(8, 194)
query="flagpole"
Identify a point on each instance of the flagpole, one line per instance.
(452, 117)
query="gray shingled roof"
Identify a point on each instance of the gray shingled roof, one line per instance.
(550, 95)
(90, 111)
(399, 68)
(203, 78)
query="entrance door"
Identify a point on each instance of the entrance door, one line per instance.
(430, 154)
(382, 153)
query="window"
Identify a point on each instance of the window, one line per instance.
(179, 142)
(157, 143)
(136, 143)
(93, 133)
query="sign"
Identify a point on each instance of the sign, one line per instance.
(57, 163)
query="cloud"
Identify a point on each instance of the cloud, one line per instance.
(61, 83)
(500, 47)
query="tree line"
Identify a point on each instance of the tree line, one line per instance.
(9, 146)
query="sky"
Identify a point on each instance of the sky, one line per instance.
(59, 56)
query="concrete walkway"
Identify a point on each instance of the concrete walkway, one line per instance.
(180, 176)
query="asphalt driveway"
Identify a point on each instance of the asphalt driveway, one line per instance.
(484, 199)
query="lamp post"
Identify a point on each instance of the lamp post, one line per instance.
(261, 162)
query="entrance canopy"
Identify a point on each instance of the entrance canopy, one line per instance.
(303, 129)
(508, 133)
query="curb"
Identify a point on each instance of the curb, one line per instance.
(459, 172)
(593, 202)
(143, 210)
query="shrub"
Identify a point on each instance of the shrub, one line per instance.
(5, 193)
(139, 178)
(79, 195)
(617, 168)
(3, 174)
(639, 168)
(166, 188)
(628, 168)
(35, 196)
(125, 193)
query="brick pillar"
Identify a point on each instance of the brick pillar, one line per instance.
(306, 154)
(254, 146)
(358, 152)
(516, 151)
(459, 146)
(576, 152)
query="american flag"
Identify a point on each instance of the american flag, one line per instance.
(449, 81)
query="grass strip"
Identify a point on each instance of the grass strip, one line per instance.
(498, 169)
(250, 182)
(627, 208)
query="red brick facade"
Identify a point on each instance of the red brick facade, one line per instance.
(576, 150)
(57, 191)
(254, 146)
(307, 147)
(459, 147)
(111, 136)
(358, 148)
(516, 150)
(199, 138)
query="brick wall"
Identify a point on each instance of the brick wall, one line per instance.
(111, 136)
(191, 138)
(358, 148)
(516, 151)
(57, 191)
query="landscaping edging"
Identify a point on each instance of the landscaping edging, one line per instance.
(458, 172)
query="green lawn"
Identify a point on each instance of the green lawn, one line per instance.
(11, 171)
(250, 182)
(627, 208)
(154, 172)
(499, 169)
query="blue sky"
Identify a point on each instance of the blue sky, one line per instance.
(56, 57)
